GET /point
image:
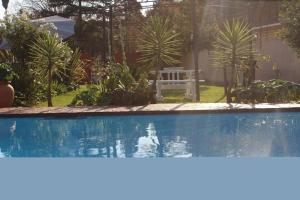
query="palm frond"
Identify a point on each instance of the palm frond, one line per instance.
(234, 39)
(159, 43)
(48, 52)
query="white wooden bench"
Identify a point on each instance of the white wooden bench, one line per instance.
(187, 85)
(175, 79)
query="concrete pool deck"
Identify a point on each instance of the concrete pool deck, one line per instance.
(149, 109)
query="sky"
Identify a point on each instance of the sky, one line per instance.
(14, 5)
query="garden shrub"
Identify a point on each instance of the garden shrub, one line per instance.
(6, 72)
(272, 91)
(20, 35)
(88, 97)
(30, 88)
(117, 87)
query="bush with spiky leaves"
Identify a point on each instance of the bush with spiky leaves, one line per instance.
(50, 57)
(159, 45)
(232, 49)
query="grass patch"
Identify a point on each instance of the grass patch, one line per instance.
(65, 99)
(208, 94)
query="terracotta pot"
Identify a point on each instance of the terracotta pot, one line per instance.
(7, 94)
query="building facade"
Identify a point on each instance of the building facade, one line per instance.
(263, 17)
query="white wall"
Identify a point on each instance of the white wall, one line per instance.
(211, 74)
(281, 55)
(269, 44)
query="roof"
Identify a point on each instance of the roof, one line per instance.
(54, 18)
(65, 27)
(266, 26)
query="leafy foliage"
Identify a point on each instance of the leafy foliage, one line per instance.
(290, 19)
(273, 91)
(6, 56)
(117, 87)
(6, 72)
(49, 57)
(89, 37)
(74, 72)
(88, 97)
(232, 49)
(20, 35)
(181, 14)
(159, 43)
(32, 51)
(233, 45)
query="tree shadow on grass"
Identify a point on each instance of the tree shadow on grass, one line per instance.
(220, 99)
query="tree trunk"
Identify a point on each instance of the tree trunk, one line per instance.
(195, 49)
(157, 68)
(111, 55)
(49, 91)
(232, 78)
(229, 100)
(104, 36)
(80, 10)
(225, 81)
(252, 71)
(122, 43)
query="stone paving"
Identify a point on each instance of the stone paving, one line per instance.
(150, 109)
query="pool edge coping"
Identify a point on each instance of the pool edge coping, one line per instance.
(151, 109)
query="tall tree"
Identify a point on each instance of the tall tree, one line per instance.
(92, 25)
(180, 12)
(290, 19)
(196, 27)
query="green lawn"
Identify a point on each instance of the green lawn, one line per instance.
(208, 94)
(63, 100)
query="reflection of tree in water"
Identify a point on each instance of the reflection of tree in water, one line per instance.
(106, 136)
(213, 135)
(153, 136)
(131, 130)
(7, 131)
(91, 137)
(38, 137)
(293, 135)
(170, 131)
(287, 136)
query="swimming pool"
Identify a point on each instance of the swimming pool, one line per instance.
(148, 136)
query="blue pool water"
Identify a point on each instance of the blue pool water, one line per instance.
(146, 136)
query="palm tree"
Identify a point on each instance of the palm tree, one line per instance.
(159, 45)
(232, 49)
(49, 57)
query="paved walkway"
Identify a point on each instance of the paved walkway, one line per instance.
(150, 109)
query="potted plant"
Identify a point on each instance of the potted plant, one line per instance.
(6, 90)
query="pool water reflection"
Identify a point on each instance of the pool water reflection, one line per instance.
(147, 136)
